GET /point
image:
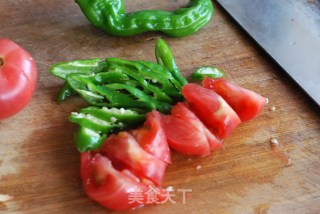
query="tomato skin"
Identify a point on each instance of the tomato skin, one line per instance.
(18, 77)
(152, 138)
(110, 187)
(124, 150)
(187, 134)
(211, 109)
(247, 104)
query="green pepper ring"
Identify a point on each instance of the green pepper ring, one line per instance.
(110, 16)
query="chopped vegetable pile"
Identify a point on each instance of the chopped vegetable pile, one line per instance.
(117, 160)
(134, 87)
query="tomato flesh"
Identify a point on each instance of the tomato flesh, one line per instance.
(186, 133)
(211, 109)
(247, 104)
(18, 77)
(183, 111)
(152, 138)
(134, 162)
(184, 137)
(126, 151)
(112, 188)
(122, 166)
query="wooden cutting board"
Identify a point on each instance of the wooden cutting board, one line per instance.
(39, 163)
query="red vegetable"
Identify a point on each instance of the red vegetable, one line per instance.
(134, 162)
(186, 133)
(247, 104)
(152, 138)
(182, 111)
(112, 188)
(211, 109)
(126, 153)
(18, 77)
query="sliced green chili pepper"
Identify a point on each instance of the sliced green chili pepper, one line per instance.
(165, 57)
(65, 92)
(113, 83)
(63, 69)
(140, 96)
(207, 71)
(119, 99)
(153, 78)
(86, 139)
(126, 116)
(166, 81)
(97, 90)
(110, 16)
(81, 84)
(96, 123)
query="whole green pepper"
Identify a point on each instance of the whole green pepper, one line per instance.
(110, 16)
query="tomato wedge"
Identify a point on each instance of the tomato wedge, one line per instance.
(182, 111)
(125, 151)
(117, 190)
(247, 104)
(152, 138)
(18, 77)
(186, 133)
(184, 137)
(211, 109)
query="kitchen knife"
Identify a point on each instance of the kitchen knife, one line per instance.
(289, 31)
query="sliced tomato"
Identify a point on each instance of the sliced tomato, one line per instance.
(182, 111)
(152, 138)
(117, 190)
(247, 104)
(184, 137)
(125, 151)
(187, 134)
(211, 109)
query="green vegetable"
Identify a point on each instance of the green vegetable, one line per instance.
(120, 92)
(127, 84)
(110, 16)
(152, 77)
(207, 71)
(165, 57)
(96, 123)
(65, 92)
(63, 69)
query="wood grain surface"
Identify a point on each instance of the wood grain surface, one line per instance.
(39, 163)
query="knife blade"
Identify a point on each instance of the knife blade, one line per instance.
(289, 31)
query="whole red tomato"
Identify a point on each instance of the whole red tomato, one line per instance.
(18, 77)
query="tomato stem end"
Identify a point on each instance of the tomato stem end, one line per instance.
(1, 61)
